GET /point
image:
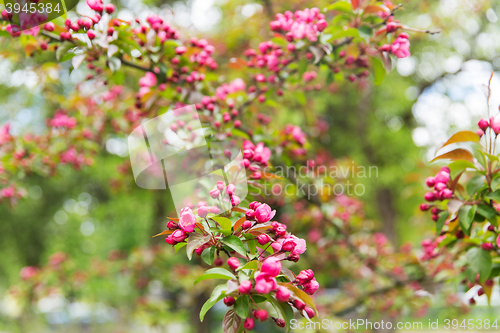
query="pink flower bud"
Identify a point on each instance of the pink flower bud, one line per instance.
(90, 34)
(229, 301)
(170, 240)
(424, 207)
(49, 26)
(480, 133)
(263, 239)
(430, 196)
(245, 287)
(299, 304)
(311, 287)
(446, 193)
(495, 125)
(250, 214)
(214, 193)
(246, 225)
(430, 181)
(227, 153)
(487, 246)
(442, 177)
(254, 204)
(214, 210)
(230, 189)
(248, 153)
(179, 235)
(288, 245)
(283, 294)
(109, 8)
(391, 27)
(321, 25)
(483, 124)
(440, 186)
(310, 312)
(249, 324)
(172, 225)
(271, 266)
(220, 185)
(261, 315)
(202, 211)
(263, 213)
(305, 276)
(260, 78)
(233, 263)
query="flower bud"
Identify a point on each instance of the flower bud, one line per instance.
(170, 240)
(202, 211)
(230, 189)
(249, 324)
(233, 263)
(430, 181)
(214, 193)
(487, 246)
(179, 235)
(235, 200)
(424, 207)
(305, 276)
(446, 193)
(430, 196)
(246, 225)
(299, 304)
(245, 287)
(218, 262)
(310, 312)
(109, 8)
(483, 124)
(229, 301)
(263, 239)
(282, 294)
(261, 315)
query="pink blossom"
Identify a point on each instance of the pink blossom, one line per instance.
(230, 189)
(235, 200)
(495, 125)
(311, 286)
(28, 272)
(305, 276)
(401, 46)
(187, 221)
(179, 235)
(214, 210)
(233, 263)
(95, 5)
(4, 133)
(261, 154)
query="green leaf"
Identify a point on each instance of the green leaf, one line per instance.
(217, 295)
(63, 49)
(224, 222)
(479, 261)
(465, 217)
(254, 264)
(440, 222)
(365, 31)
(474, 184)
(252, 245)
(487, 211)
(379, 71)
(194, 241)
(215, 273)
(460, 165)
(208, 255)
(242, 306)
(235, 244)
(179, 246)
(342, 6)
(118, 77)
(303, 66)
(341, 33)
(494, 196)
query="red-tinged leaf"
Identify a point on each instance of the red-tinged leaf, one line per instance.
(173, 219)
(260, 229)
(376, 9)
(355, 4)
(300, 294)
(239, 210)
(462, 136)
(200, 226)
(166, 232)
(457, 154)
(381, 30)
(237, 63)
(277, 35)
(454, 182)
(231, 322)
(238, 223)
(268, 175)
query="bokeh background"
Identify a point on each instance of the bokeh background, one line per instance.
(133, 283)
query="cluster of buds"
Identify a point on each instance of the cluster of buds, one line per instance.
(440, 184)
(182, 229)
(295, 139)
(430, 249)
(255, 157)
(62, 120)
(264, 283)
(400, 47)
(484, 124)
(217, 194)
(303, 23)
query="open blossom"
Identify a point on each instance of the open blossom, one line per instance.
(401, 46)
(187, 220)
